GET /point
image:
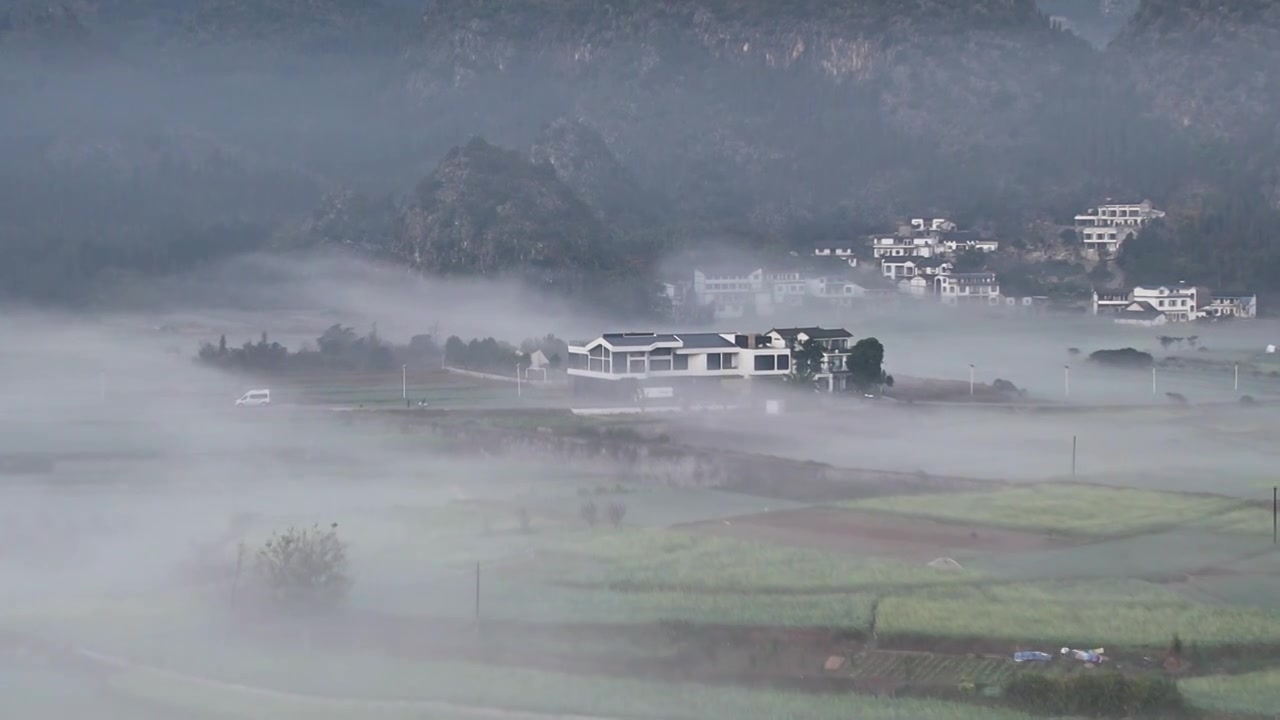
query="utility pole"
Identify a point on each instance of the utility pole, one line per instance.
(1153, 381)
(1066, 380)
(519, 390)
(970, 379)
(1073, 456)
(1237, 383)
(404, 382)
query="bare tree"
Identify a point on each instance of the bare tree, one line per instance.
(589, 513)
(617, 511)
(304, 568)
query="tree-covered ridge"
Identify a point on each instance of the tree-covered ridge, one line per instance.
(178, 135)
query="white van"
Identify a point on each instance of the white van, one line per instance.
(255, 397)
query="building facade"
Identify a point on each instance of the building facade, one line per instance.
(1105, 228)
(1178, 302)
(621, 364)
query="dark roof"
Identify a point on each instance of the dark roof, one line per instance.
(816, 333)
(704, 340)
(637, 339)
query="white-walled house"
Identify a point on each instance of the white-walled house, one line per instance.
(617, 363)
(931, 225)
(1178, 302)
(967, 287)
(845, 250)
(1142, 313)
(1233, 306)
(892, 246)
(1133, 215)
(835, 343)
(1105, 228)
(733, 294)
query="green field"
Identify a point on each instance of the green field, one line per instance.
(1103, 613)
(1257, 692)
(1061, 508)
(468, 684)
(667, 559)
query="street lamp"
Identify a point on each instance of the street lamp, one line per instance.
(1066, 380)
(519, 389)
(404, 382)
(970, 379)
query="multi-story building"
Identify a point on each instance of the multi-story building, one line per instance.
(833, 370)
(1232, 306)
(954, 288)
(1177, 302)
(623, 364)
(844, 250)
(1105, 228)
(892, 246)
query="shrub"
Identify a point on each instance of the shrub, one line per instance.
(589, 513)
(304, 569)
(617, 511)
(1124, 357)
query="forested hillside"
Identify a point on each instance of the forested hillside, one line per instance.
(146, 137)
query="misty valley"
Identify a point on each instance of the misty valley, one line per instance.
(681, 360)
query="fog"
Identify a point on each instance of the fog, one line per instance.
(157, 162)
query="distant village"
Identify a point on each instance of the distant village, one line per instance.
(918, 262)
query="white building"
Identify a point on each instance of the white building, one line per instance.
(899, 268)
(619, 363)
(887, 246)
(967, 287)
(1232, 306)
(835, 343)
(733, 294)
(932, 225)
(844, 250)
(1142, 313)
(1179, 302)
(1105, 228)
(961, 240)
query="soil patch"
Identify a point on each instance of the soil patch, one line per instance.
(916, 539)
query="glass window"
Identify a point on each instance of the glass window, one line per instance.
(784, 362)
(681, 362)
(713, 361)
(765, 362)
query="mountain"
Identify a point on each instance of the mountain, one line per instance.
(583, 160)
(486, 210)
(142, 135)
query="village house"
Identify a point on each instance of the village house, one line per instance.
(1178, 302)
(961, 240)
(930, 225)
(845, 250)
(955, 288)
(1105, 228)
(835, 343)
(733, 293)
(1233, 306)
(1142, 313)
(892, 246)
(623, 364)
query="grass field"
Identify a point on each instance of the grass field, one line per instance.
(1257, 692)
(1110, 614)
(1068, 509)
(469, 684)
(670, 559)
